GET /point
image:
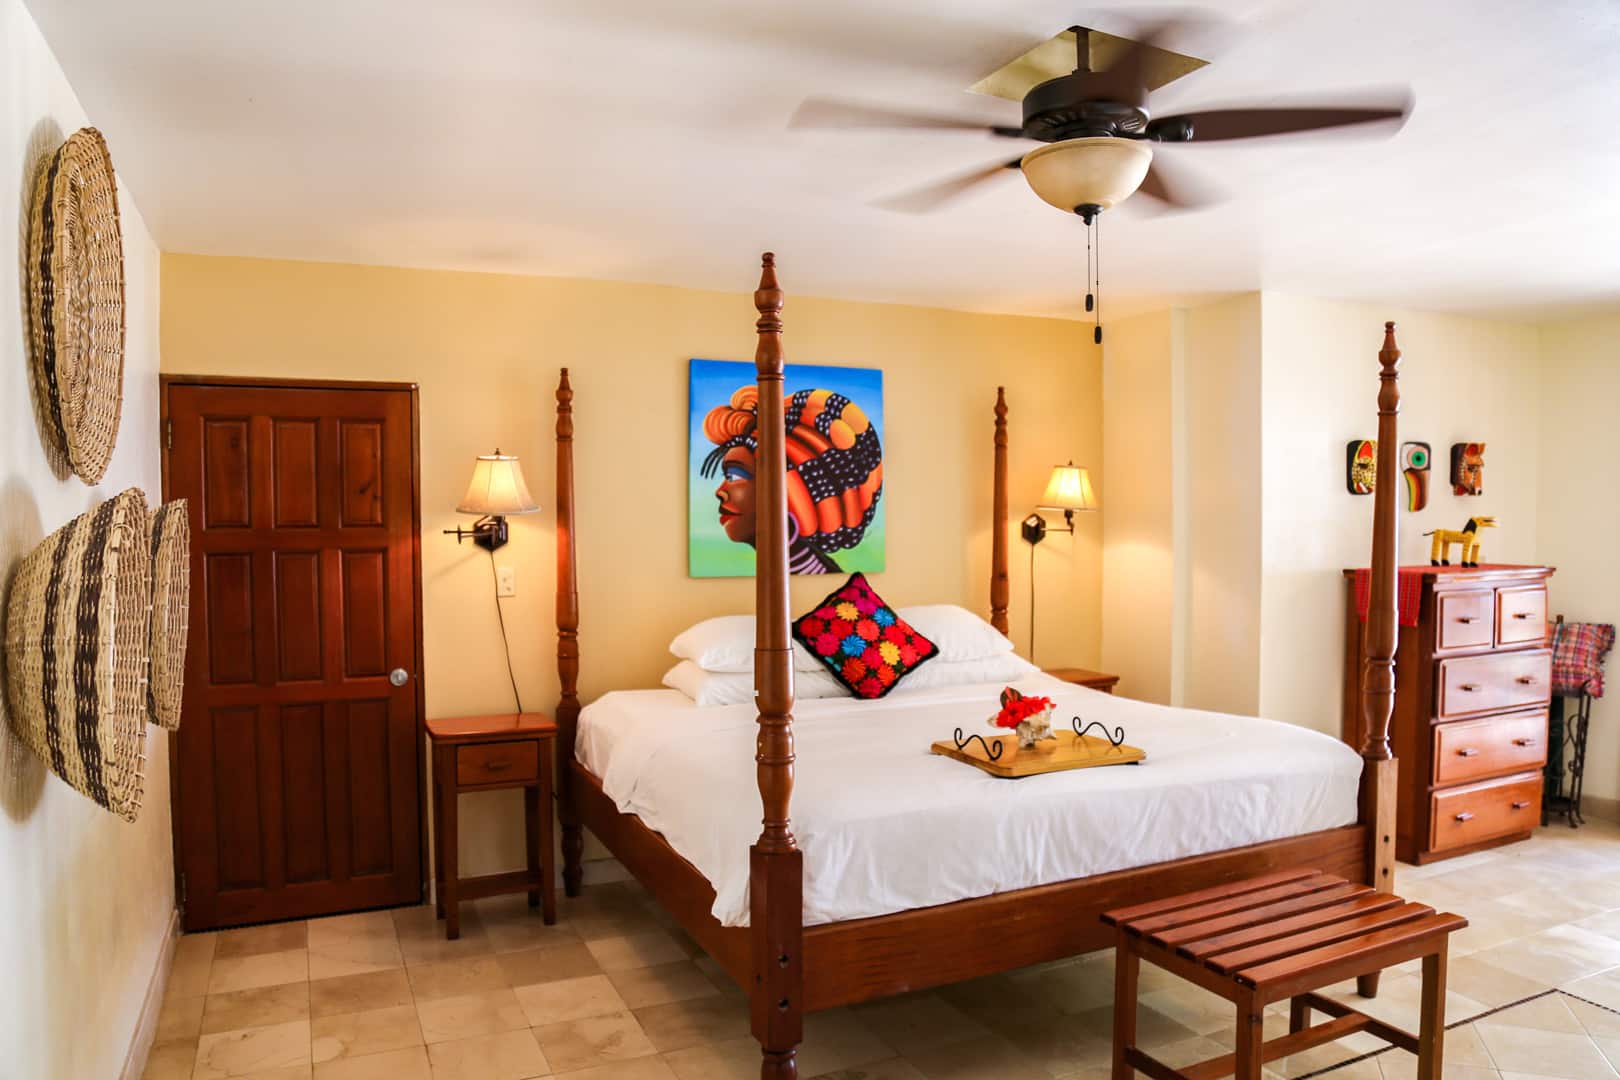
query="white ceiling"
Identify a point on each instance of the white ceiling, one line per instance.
(647, 140)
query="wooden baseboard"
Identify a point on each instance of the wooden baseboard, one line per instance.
(140, 1043)
(1599, 806)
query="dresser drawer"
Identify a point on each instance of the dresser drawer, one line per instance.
(1471, 749)
(493, 763)
(1465, 619)
(1521, 615)
(1478, 812)
(1493, 682)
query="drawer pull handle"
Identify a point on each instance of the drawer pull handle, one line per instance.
(1524, 742)
(1465, 816)
(1520, 805)
(1468, 686)
(1526, 680)
(1521, 614)
(1467, 751)
(497, 766)
(1465, 618)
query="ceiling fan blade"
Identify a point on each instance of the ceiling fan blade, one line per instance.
(933, 196)
(1176, 187)
(826, 113)
(1219, 125)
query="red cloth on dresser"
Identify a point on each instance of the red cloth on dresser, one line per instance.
(1408, 588)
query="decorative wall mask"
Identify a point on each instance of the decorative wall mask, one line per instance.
(834, 422)
(1415, 466)
(1468, 468)
(1361, 466)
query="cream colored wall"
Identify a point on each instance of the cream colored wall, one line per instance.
(88, 899)
(1221, 453)
(1579, 510)
(1138, 583)
(486, 349)
(1461, 379)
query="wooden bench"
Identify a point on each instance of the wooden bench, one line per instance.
(1282, 935)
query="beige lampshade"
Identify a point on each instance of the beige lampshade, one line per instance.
(1093, 171)
(497, 487)
(1069, 489)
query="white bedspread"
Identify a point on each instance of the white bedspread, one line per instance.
(886, 826)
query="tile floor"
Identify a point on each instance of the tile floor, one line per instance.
(614, 992)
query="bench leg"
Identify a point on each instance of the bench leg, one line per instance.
(1367, 985)
(1251, 1037)
(1299, 1015)
(1127, 966)
(1432, 1033)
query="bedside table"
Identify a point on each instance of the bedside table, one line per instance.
(1097, 680)
(487, 753)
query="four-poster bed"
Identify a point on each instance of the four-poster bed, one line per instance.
(788, 968)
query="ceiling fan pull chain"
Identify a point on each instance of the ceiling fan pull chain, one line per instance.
(1091, 301)
(1096, 333)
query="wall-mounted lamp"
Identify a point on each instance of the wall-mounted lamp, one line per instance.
(497, 490)
(1068, 490)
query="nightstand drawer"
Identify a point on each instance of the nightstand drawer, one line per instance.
(1468, 815)
(1496, 681)
(1521, 615)
(1471, 749)
(494, 763)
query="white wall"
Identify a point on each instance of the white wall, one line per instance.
(85, 899)
(1138, 586)
(1461, 379)
(1579, 513)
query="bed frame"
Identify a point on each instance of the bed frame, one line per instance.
(789, 969)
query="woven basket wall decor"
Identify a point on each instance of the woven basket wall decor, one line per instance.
(171, 610)
(76, 303)
(77, 628)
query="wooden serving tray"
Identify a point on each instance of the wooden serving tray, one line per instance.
(1073, 752)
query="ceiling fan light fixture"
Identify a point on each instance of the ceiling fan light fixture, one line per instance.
(1098, 172)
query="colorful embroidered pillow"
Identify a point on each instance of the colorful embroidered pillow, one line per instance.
(865, 645)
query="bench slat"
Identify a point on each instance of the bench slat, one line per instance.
(1172, 903)
(1365, 948)
(1356, 927)
(1157, 924)
(1253, 935)
(1266, 913)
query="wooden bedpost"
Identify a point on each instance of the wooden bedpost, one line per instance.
(776, 866)
(998, 520)
(1378, 665)
(573, 837)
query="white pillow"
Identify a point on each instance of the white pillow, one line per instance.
(726, 644)
(959, 634)
(737, 688)
(937, 673)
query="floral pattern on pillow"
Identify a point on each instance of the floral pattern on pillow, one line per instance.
(864, 643)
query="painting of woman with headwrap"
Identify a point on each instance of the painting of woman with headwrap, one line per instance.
(833, 418)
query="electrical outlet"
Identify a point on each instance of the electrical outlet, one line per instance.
(505, 581)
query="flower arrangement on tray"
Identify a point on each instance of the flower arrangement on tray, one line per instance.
(1030, 718)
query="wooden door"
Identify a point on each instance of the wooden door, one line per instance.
(296, 770)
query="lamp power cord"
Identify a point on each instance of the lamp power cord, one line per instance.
(505, 642)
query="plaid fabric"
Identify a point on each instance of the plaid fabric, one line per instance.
(1408, 592)
(1579, 650)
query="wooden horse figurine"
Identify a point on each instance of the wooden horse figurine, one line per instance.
(1468, 537)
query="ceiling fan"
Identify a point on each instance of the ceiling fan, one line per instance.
(1099, 135)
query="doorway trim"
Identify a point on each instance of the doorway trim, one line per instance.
(168, 380)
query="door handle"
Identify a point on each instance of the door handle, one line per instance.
(399, 676)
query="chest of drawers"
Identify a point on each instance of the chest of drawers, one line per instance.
(1472, 682)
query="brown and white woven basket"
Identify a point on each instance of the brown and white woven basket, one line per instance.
(76, 303)
(171, 608)
(77, 628)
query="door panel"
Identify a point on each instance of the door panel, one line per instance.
(297, 761)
